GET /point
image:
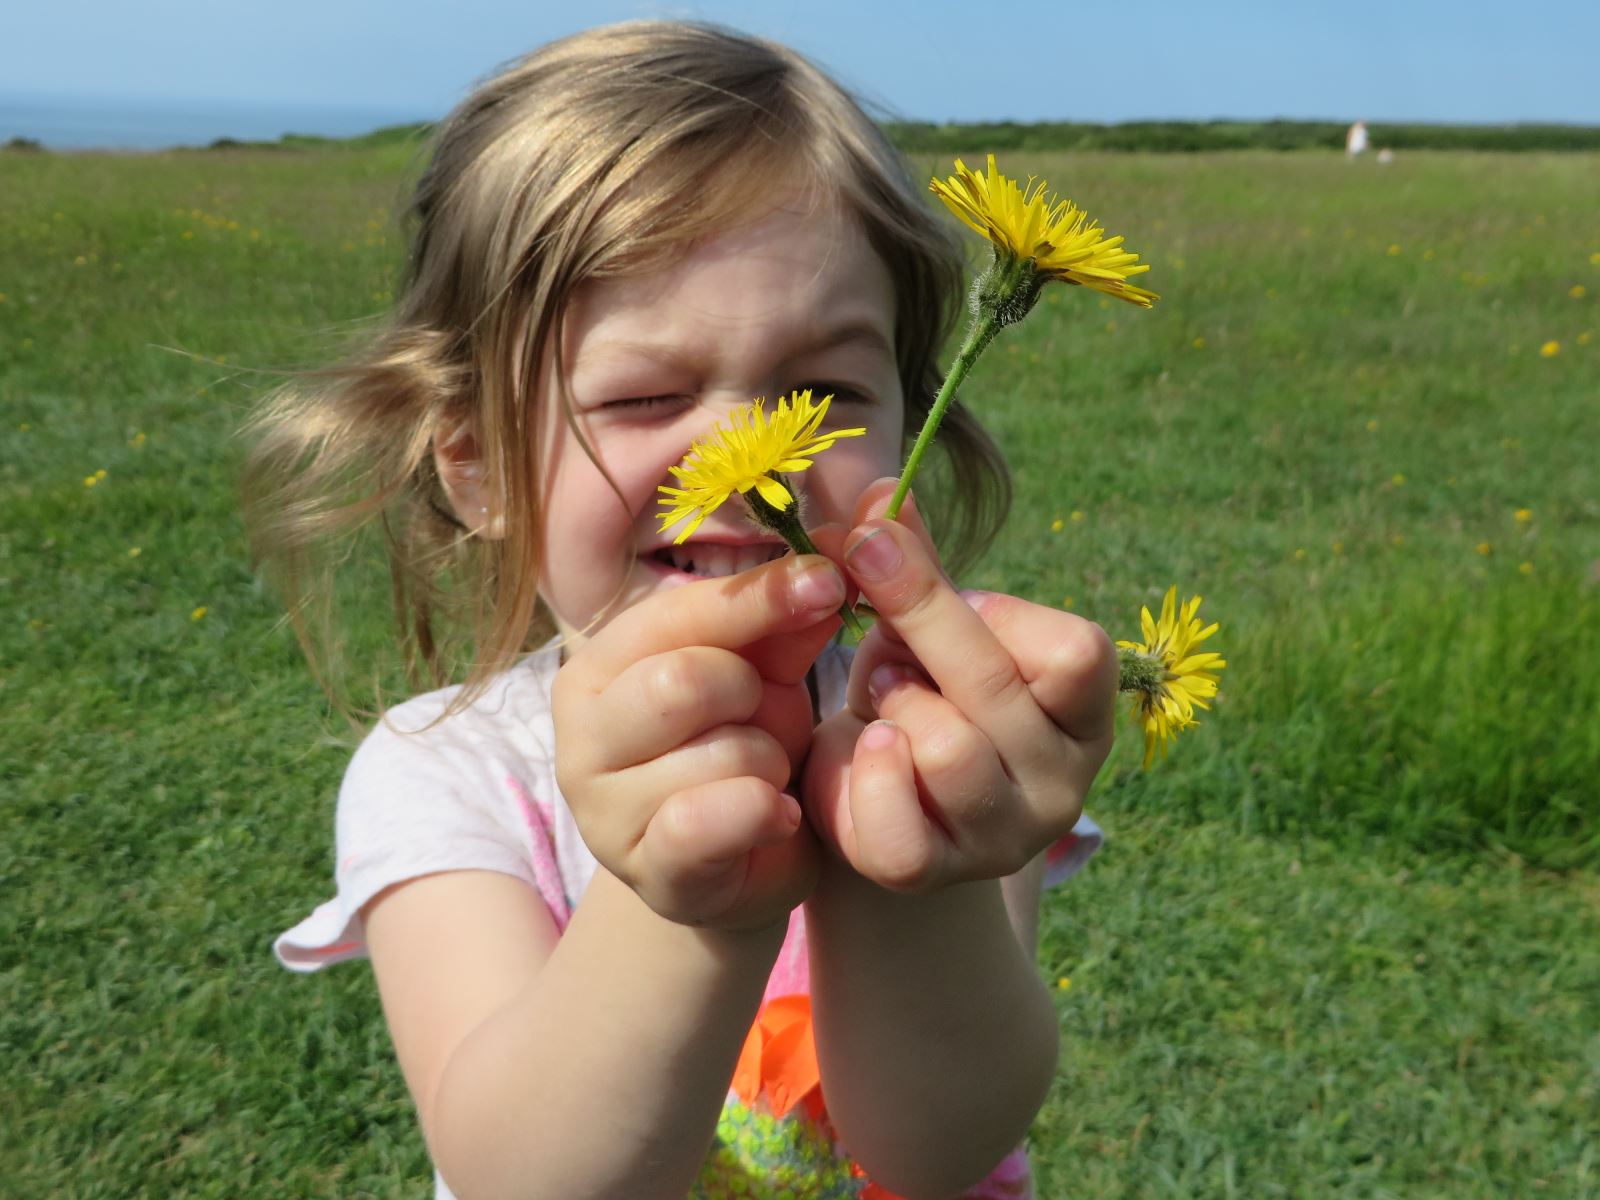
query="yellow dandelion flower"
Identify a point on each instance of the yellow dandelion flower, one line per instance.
(1077, 515)
(1550, 349)
(1523, 515)
(134, 552)
(137, 439)
(1525, 568)
(748, 455)
(90, 480)
(1199, 343)
(1300, 554)
(1030, 224)
(198, 613)
(1577, 291)
(1394, 249)
(1063, 983)
(1182, 681)
(1057, 525)
(1584, 337)
(1372, 426)
(1484, 549)
(1397, 479)
(1594, 259)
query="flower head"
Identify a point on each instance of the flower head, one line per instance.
(1057, 235)
(1176, 681)
(748, 454)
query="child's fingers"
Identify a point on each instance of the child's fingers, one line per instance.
(788, 656)
(874, 503)
(696, 845)
(664, 700)
(890, 838)
(1069, 664)
(787, 595)
(727, 752)
(965, 787)
(950, 641)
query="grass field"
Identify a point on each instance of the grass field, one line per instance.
(1345, 942)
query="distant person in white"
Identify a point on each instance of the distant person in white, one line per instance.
(1355, 141)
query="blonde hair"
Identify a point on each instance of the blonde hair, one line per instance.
(607, 153)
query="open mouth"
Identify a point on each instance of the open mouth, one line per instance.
(709, 560)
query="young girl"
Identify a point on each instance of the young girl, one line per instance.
(690, 901)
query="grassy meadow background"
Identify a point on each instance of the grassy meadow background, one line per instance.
(1344, 942)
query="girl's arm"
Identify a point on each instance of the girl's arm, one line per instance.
(595, 1065)
(936, 1039)
(591, 1066)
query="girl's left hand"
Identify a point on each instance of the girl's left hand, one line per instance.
(975, 722)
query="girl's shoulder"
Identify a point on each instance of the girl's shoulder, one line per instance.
(512, 713)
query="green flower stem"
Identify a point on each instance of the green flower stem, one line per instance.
(1139, 671)
(985, 324)
(785, 522)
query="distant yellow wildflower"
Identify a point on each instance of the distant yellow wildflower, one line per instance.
(1525, 568)
(1484, 549)
(1550, 349)
(1523, 515)
(198, 613)
(1577, 291)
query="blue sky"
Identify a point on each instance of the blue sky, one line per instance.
(1427, 60)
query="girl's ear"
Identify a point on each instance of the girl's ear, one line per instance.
(458, 459)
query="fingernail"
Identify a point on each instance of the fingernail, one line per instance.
(975, 598)
(884, 679)
(880, 735)
(876, 556)
(817, 587)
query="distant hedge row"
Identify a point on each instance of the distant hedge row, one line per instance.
(916, 137)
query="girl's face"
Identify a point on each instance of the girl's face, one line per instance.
(793, 300)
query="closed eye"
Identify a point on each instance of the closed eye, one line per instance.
(841, 393)
(642, 401)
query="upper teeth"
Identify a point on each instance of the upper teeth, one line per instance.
(713, 561)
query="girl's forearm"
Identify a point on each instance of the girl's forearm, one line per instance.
(937, 1040)
(605, 1077)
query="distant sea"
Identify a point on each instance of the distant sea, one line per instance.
(100, 123)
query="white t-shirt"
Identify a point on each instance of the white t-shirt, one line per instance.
(477, 791)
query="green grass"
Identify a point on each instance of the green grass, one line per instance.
(1345, 942)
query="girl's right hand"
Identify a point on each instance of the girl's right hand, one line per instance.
(679, 727)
